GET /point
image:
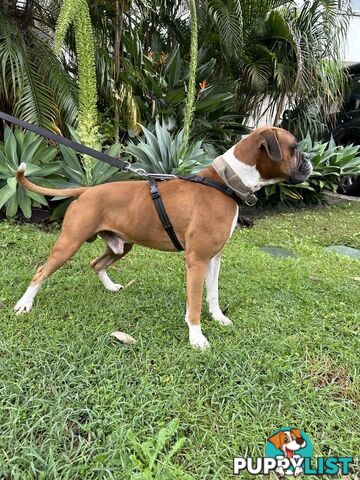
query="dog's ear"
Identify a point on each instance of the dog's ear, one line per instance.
(268, 140)
(296, 432)
(277, 439)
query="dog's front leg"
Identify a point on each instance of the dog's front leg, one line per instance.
(195, 274)
(212, 290)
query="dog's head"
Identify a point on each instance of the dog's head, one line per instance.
(275, 155)
(288, 441)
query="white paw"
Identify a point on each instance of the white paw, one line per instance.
(221, 318)
(113, 287)
(107, 282)
(198, 340)
(23, 306)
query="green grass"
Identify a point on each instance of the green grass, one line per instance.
(70, 393)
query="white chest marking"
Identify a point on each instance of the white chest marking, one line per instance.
(248, 174)
(234, 222)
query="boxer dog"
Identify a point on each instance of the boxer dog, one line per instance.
(123, 214)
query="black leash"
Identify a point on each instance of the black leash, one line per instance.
(115, 162)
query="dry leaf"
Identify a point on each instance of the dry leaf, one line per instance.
(128, 284)
(2, 305)
(356, 278)
(124, 337)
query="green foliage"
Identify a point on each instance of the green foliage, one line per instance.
(281, 54)
(151, 458)
(40, 165)
(162, 152)
(227, 16)
(189, 105)
(76, 12)
(330, 163)
(33, 84)
(75, 174)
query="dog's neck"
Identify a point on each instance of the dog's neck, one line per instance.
(244, 179)
(249, 174)
(233, 180)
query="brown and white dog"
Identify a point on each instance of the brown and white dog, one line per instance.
(123, 214)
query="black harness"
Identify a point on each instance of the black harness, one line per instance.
(160, 207)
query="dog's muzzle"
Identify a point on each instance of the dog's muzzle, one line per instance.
(303, 169)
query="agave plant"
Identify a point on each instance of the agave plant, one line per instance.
(24, 147)
(331, 162)
(163, 152)
(75, 174)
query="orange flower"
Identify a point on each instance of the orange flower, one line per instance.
(204, 84)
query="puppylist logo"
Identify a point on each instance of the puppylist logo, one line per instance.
(288, 451)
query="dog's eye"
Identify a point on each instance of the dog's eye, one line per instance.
(286, 440)
(293, 148)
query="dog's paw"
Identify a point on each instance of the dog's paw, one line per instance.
(223, 320)
(107, 282)
(199, 341)
(23, 306)
(219, 317)
(113, 287)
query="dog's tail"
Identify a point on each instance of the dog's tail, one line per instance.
(63, 192)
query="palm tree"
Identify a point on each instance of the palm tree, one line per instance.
(33, 83)
(280, 51)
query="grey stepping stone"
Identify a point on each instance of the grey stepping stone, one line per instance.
(278, 252)
(344, 250)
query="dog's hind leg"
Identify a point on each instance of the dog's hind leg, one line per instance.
(212, 290)
(76, 230)
(63, 250)
(100, 264)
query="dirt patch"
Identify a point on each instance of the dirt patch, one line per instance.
(324, 373)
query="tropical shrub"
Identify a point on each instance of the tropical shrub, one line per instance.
(33, 83)
(330, 162)
(21, 147)
(163, 152)
(75, 174)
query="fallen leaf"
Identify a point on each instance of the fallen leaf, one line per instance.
(356, 278)
(2, 305)
(315, 278)
(124, 337)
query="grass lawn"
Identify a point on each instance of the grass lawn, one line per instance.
(70, 393)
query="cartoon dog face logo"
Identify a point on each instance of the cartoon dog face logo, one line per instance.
(288, 441)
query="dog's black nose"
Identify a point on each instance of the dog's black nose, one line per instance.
(300, 441)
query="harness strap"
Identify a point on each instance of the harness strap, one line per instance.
(160, 208)
(213, 184)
